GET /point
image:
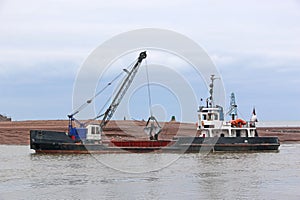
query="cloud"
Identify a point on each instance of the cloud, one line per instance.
(253, 44)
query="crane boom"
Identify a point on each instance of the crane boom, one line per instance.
(122, 90)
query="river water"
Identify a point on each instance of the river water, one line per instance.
(25, 175)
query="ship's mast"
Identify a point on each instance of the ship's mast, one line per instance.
(210, 99)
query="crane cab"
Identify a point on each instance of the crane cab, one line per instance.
(93, 132)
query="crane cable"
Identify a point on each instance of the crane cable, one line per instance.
(149, 92)
(152, 130)
(108, 100)
(110, 97)
(84, 105)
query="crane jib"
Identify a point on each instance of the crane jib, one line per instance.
(122, 90)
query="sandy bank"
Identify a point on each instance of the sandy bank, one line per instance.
(17, 132)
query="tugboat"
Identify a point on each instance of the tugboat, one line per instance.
(214, 133)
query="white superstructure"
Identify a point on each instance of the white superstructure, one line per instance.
(211, 121)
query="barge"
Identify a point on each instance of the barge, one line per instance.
(214, 133)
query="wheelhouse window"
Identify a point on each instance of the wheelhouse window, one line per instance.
(209, 117)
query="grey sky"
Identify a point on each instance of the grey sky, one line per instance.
(254, 44)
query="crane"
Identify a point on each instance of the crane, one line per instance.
(122, 90)
(93, 132)
(233, 107)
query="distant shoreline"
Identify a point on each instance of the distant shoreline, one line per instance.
(17, 132)
(281, 124)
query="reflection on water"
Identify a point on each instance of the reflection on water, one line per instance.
(214, 176)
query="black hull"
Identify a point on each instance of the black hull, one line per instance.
(197, 144)
(59, 142)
